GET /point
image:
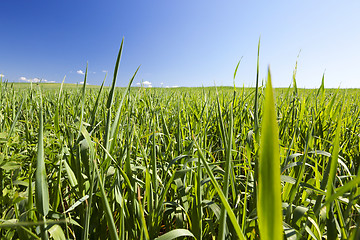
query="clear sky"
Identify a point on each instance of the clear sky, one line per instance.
(181, 42)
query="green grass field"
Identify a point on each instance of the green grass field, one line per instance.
(89, 162)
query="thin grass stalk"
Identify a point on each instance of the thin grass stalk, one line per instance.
(228, 158)
(256, 129)
(96, 106)
(56, 117)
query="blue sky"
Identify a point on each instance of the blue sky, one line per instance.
(181, 43)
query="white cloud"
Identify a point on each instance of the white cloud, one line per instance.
(94, 72)
(80, 72)
(172, 86)
(104, 71)
(145, 84)
(2, 75)
(35, 80)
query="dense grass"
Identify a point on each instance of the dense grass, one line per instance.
(137, 163)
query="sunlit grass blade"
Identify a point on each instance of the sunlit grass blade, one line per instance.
(269, 190)
(57, 233)
(176, 233)
(342, 190)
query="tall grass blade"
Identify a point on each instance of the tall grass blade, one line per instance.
(269, 191)
(56, 117)
(116, 122)
(83, 98)
(108, 212)
(96, 105)
(228, 157)
(330, 218)
(41, 185)
(109, 104)
(256, 104)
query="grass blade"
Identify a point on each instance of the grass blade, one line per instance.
(41, 186)
(108, 212)
(223, 199)
(269, 190)
(176, 233)
(228, 157)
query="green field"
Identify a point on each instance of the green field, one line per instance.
(86, 162)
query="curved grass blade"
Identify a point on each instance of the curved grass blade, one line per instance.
(342, 190)
(237, 66)
(57, 233)
(176, 233)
